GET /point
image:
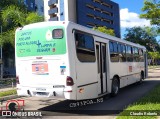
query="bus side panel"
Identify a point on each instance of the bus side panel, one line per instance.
(129, 72)
(86, 80)
(133, 72)
(120, 70)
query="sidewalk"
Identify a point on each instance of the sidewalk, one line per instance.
(154, 73)
(5, 89)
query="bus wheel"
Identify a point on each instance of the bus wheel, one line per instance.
(115, 87)
(141, 78)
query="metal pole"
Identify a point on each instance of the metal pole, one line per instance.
(1, 57)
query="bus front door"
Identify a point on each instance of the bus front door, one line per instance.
(101, 67)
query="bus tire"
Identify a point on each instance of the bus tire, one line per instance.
(115, 87)
(141, 78)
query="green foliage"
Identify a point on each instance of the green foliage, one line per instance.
(148, 103)
(105, 30)
(13, 13)
(145, 36)
(151, 11)
(8, 37)
(154, 56)
(33, 18)
(9, 92)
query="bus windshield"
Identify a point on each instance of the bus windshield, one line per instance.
(40, 42)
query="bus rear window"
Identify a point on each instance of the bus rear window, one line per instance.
(57, 34)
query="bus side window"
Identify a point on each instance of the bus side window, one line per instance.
(85, 47)
(141, 56)
(129, 54)
(132, 54)
(114, 56)
(111, 46)
(135, 54)
(122, 52)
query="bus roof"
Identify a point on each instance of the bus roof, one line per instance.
(79, 27)
(106, 36)
(41, 24)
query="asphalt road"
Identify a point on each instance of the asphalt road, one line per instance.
(109, 105)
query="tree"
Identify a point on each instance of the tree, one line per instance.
(145, 36)
(154, 56)
(105, 30)
(12, 16)
(13, 13)
(152, 12)
(33, 17)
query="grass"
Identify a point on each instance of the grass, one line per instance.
(8, 92)
(149, 103)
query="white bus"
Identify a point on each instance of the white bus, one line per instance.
(67, 60)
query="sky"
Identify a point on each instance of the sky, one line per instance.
(129, 14)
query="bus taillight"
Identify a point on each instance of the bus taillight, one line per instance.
(17, 79)
(69, 81)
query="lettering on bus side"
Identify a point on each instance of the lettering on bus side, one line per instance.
(26, 33)
(25, 36)
(46, 47)
(27, 43)
(40, 45)
(44, 50)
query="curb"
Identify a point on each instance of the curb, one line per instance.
(5, 98)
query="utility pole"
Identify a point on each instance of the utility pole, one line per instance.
(1, 63)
